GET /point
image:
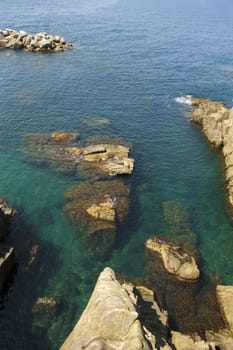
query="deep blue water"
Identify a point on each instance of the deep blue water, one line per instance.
(131, 59)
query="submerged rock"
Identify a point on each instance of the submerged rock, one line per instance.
(96, 121)
(60, 150)
(96, 208)
(175, 259)
(46, 304)
(17, 40)
(177, 219)
(216, 121)
(111, 320)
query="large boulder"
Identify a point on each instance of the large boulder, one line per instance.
(111, 320)
(176, 260)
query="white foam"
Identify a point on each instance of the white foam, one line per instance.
(187, 100)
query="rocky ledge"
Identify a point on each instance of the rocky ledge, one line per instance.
(122, 316)
(17, 40)
(216, 121)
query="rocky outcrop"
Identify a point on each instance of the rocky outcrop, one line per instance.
(97, 208)
(62, 151)
(216, 121)
(125, 316)
(111, 320)
(175, 259)
(41, 42)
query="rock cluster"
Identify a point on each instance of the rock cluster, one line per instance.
(216, 121)
(124, 316)
(62, 151)
(16, 40)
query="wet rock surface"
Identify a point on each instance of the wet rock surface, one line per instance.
(216, 121)
(41, 42)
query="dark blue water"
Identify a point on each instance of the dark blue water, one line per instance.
(130, 61)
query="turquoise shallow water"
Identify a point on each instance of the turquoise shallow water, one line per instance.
(129, 63)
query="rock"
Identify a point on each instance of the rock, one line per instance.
(64, 137)
(222, 339)
(175, 259)
(46, 304)
(12, 39)
(7, 263)
(216, 121)
(109, 321)
(96, 121)
(61, 151)
(3, 43)
(186, 342)
(225, 300)
(96, 208)
(176, 217)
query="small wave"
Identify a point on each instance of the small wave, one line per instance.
(187, 100)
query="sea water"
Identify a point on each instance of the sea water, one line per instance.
(136, 64)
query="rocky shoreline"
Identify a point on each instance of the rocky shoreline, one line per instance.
(123, 316)
(41, 42)
(216, 121)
